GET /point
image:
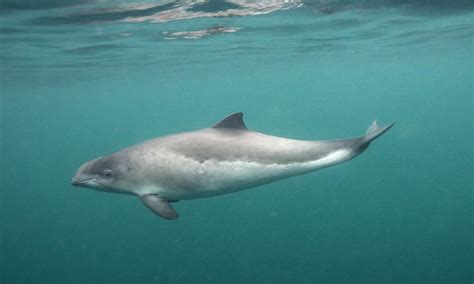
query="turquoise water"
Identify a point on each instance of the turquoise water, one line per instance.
(80, 79)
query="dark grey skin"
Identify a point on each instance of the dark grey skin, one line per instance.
(224, 158)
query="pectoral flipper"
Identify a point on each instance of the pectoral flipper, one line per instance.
(159, 206)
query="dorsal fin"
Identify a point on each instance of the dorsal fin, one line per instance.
(232, 121)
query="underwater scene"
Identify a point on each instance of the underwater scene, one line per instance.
(280, 97)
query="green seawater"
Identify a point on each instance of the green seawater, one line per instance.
(82, 79)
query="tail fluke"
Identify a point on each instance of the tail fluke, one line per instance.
(375, 131)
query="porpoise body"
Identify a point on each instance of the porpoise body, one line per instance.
(224, 158)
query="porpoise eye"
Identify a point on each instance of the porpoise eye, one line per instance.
(107, 173)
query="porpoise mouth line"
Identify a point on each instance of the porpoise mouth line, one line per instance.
(81, 182)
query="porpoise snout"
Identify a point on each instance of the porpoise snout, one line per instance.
(79, 178)
(79, 182)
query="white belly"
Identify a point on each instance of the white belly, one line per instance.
(196, 179)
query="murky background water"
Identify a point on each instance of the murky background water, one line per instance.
(80, 79)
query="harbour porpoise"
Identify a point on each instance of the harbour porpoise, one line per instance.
(224, 158)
